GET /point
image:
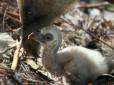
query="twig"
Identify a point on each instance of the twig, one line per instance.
(16, 55)
(1, 53)
(95, 5)
(14, 16)
(89, 26)
(3, 22)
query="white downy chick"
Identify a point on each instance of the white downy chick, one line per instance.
(77, 64)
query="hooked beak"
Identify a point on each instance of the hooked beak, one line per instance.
(38, 37)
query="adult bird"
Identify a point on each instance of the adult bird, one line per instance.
(77, 64)
(35, 14)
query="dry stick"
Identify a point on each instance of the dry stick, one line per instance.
(88, 32)
(89, 26)
(16, 55)
(1, 53)
(96, 5)
(14, 16)
(98, 37)
(3, 22)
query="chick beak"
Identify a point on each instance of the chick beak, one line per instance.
(38, 37)
(31, 36)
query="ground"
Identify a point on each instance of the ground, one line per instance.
(90, 25)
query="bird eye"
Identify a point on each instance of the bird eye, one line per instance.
(48, 37)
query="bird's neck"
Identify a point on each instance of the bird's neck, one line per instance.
(50, 61)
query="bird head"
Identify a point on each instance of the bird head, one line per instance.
(49, 37)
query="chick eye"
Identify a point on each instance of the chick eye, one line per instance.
(48, 37)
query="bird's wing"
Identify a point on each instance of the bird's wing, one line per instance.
(65, 56)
